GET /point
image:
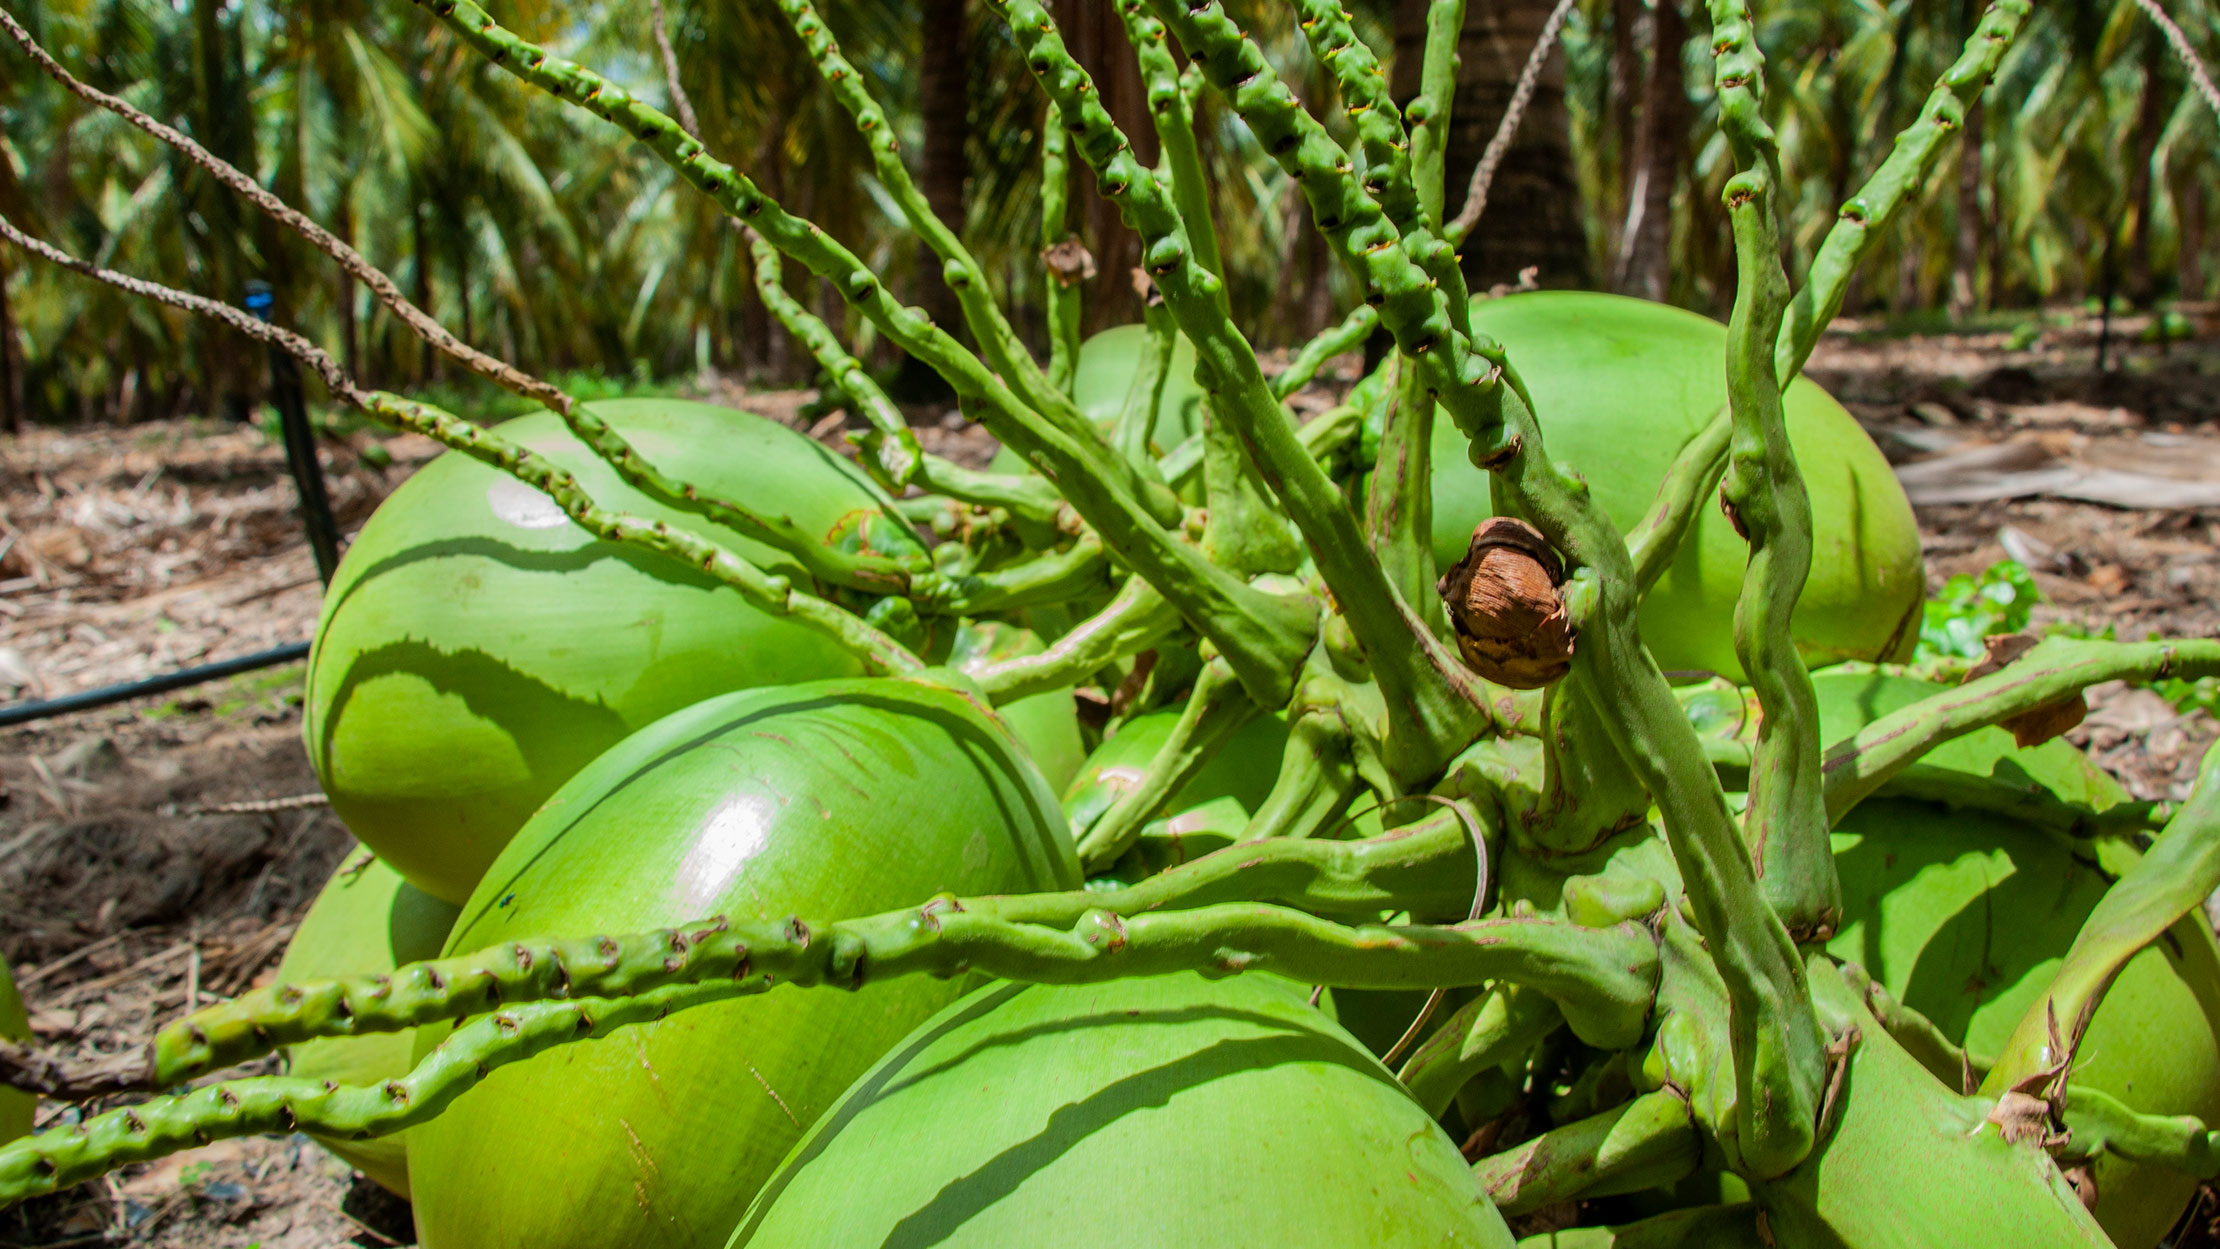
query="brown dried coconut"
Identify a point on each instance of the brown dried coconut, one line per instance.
(1504, 604)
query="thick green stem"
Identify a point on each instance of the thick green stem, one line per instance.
(1399, 495)
(1263, 637)
(68, 1155)
(1316, 780)
(1496, 1028)
(1429, 113)
(1907, 169)
(2175, 876)
(2101, 1124)
(1785, 819)
(1681, 497)
(1650, 1142)
(1132, 622)
(2056, 668)
(1387, 148)
(1346, 335)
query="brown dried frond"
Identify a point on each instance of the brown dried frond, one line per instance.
(2029, 728)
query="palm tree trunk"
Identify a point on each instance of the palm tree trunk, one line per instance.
(1966, 254)
(944, 106)
(427, 363)
(11, 370)
(2193, 240)
(2143, 189)
(224, 122)
(1534, 214)
(944, 100)
(350, 335)
(1658, 152)
(1097, 41)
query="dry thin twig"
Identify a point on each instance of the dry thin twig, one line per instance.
(2187, 53)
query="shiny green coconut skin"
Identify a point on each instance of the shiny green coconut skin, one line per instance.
(1047, 725)
(1108, 362)
(1169, 1112)
(16, 1108)
(827, 799)
(1964, 916)
(367, 921)
(1907, 1159)
(1619, 385)
(1210, 810)
(477, 648)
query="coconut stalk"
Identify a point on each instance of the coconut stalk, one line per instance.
(1685, 949)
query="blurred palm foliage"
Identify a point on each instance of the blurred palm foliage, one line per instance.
(542, 235)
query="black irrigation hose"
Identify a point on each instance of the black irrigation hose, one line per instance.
(24, 713)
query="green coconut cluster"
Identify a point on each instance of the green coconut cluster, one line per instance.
(1497, 798)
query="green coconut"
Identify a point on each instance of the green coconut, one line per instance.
(1620, 385)
(828, 799)
(477, 648)
(1209, 810)
(367, 921)
(16, 1108)
(1170, 1112)
(1047, 725)
(1964, 916)
(1108, 363)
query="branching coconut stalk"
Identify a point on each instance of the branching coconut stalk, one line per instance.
(1262, 637)
(1602, 978)
(1663, 965)
(997, 339)
(1428, 114)
(1763, 492)
(1776, 1037)
(2056, 668)
(2175, 876)
(41, 1164)
(1427, 716)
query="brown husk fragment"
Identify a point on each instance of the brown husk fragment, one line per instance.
(1069, 262)
(1505, 607)
(2052, 719)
